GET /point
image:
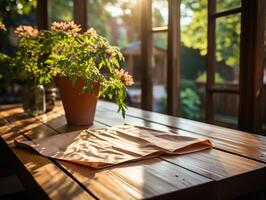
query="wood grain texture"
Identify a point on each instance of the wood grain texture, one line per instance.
(242, 143)
(137, 180)
(47, 178)
(213, 164)
(211, 172)
(55, 183)
(111, 119)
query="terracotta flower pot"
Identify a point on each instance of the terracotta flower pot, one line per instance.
(79, 106)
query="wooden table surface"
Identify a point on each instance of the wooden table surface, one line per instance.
(235, 166)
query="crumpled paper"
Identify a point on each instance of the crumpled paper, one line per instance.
(110, 146)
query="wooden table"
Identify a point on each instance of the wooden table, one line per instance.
(234, 167)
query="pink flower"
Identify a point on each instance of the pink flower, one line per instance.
(91, 32)
(26, 31)
(125, 77)
(70, 28)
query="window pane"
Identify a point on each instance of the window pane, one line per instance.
(193, 51)
(226, 110)
(223, 5)
(159, 13)
(227, 69)
(119, 22)
(60, 10)
(159, 65)
(227, 49)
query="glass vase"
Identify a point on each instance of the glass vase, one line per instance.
(34, 100)
(50, 97)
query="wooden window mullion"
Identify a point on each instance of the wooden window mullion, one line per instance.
(210, 61)
(42, 14)
(146, 55)
(251, 65)
(226, 13)
(173, 55)
(80, 13)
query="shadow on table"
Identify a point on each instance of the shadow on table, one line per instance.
(142, 179)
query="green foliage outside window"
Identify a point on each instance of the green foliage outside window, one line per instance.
(217, 78)
(194, 33)
(189, 104)
(189, 100)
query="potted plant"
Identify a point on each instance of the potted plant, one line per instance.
(83, 65)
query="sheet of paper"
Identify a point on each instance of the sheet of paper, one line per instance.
(109, 146)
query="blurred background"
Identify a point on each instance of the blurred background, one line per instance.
(119, 22)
